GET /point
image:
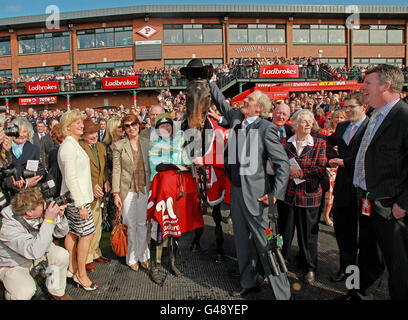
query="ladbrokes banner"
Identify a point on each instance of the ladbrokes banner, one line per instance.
(279, 71)
(120, 83)
(42, 87)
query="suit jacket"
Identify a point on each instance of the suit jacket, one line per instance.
(76, 171)
(123, 165)
(46, 145)
(36, 139)
(263, 143)
(99, 173)
(386, 159)
(30, 152)
(344, 190)
(101, 136)
(312, 161)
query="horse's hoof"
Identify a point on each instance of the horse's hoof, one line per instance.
(195, 247)
(220, 257)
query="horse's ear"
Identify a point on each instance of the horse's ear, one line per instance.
(210, 72)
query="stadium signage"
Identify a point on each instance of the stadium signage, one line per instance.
(42, 87)
(120, 83)
(37, 100)
(279, 71)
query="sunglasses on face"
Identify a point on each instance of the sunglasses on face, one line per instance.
(133, 124)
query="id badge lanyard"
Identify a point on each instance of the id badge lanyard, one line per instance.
(366, 206)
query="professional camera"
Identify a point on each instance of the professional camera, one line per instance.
(48, 191)
(3, 109)
(27, 174)
(12, 130)
(8, 172)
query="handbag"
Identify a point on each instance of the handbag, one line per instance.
(119, 238)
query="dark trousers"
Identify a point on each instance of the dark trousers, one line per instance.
(370, 259)
(392, 237)
(345, 221)
(306, 221)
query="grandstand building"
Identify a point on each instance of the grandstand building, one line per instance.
(159, 36)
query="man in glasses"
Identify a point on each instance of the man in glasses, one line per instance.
(345, 213)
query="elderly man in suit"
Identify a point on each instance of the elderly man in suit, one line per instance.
(96, 152)
(345, 212)
(251, 193)
(381, 174)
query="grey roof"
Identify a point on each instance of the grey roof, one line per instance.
(196, 11)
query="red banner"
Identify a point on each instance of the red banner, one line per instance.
(37, 100)
(279, 71)
(120, 83)
(42, 87)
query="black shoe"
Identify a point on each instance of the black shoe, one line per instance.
(338, 276)
(309, 277)
(245, 291)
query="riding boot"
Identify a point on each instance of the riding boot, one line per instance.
(195, 245)
(154, 271)
(173, 247)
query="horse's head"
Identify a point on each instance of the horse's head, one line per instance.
(198, 101)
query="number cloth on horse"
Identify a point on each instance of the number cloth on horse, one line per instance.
(173, 202)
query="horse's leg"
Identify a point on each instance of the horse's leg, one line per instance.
(195, 245)
(219, 238)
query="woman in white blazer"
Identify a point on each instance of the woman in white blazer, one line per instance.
(76, 178)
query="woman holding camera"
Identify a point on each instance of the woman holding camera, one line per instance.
(76, 178)
(22, 151)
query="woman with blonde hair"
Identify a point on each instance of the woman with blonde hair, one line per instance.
(114, 132)
(75, 169)
(335, 117)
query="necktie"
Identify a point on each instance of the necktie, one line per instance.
(281, 133)
(364, 146)
(351, 133)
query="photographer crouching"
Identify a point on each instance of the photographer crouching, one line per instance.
(26, 240)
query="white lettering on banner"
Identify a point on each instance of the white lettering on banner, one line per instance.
(120, 83)
(162, 206)
(277, 71)
(257, 48)
(39, 87)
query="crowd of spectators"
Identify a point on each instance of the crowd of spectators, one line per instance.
(170, 76)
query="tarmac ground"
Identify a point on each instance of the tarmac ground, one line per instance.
(206, 279)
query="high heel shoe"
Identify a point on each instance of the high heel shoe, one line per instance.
(135, 267)
(92, 287)
(145, 264)
(70, 274)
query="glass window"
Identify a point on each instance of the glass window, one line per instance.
(337, 36)
(276, 35)
(26, 44)
(256, 35)
(395, 36)
(104, 66)
(300, 36)
(45, 70)
(5, 74)
(238, 33)
(318, 36)
(378, 36)
(61, 41)
(192, 35)
(5, 46)
(361, 36)
(212, 33)
(43, 44)
(105, 37)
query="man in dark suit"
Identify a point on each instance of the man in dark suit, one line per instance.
(251, 193)
(345, 209)
(381, 173)
(102, 130)
(40, 133)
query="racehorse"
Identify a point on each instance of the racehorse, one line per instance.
(198, 102)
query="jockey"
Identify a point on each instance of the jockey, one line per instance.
(173, 197)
